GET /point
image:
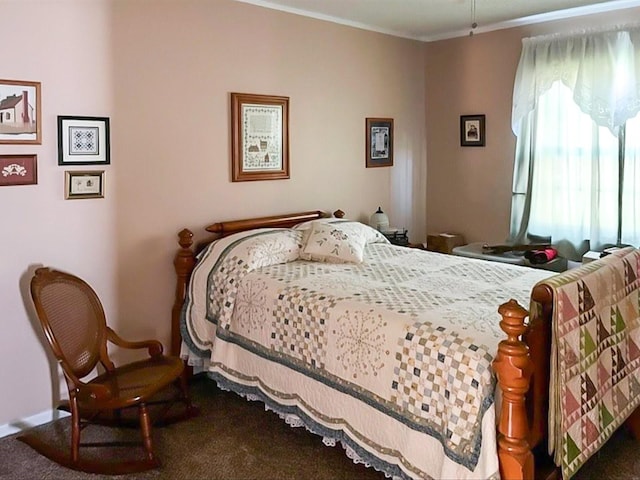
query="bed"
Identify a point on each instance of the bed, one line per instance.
(422, 365)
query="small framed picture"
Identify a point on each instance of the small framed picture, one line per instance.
(472, 131)
(86, 184)
(18, 170)
(379, 144)
(83, 140)
(20, 117)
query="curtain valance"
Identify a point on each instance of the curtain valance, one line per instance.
(601, 68)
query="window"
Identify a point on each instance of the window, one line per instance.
(576, 101)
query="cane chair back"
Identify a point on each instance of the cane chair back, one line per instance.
(73, 320)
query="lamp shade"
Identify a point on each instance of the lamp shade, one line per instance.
(379, 220)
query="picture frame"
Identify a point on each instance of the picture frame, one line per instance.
(20, 112)
(18, 170)
(83, 140)
(472, 130)
(259, 137)
(379, 142)
(84, 184)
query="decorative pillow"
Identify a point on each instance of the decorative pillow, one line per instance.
(369, 234)
(329, 242)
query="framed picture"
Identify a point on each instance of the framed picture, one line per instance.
(259, 137)
(20, 116)
(18, 170)
(83, 140)
(379, 145)
(472, 131)
(86, 184)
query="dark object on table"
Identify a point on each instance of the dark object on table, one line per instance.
(514, 248)
(538, 257)
(397, 236)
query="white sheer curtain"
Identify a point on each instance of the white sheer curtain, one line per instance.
(631, 185)
(572, 95)
(602, 69)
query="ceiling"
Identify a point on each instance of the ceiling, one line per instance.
(429, 20)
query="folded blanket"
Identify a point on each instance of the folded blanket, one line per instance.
(595, 363)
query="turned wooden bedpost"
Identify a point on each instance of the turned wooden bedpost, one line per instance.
(183, 263)
(513, 368)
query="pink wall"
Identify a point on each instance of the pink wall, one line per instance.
(469, 188)
(67, 50)
(173, 172)
(162, 71)
(140, 64)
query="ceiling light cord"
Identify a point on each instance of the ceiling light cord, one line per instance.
(474, 25)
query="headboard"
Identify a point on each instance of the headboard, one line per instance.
(284, 221)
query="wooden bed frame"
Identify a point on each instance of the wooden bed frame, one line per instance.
(522, 363)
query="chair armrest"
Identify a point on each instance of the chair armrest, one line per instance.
(154, 346)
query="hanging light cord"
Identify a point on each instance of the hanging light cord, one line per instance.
(473, 17)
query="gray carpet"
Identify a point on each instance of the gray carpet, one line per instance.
(234, 439)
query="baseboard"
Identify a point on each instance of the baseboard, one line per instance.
(30, 422)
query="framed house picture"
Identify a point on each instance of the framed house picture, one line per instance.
(84, 184)
(83, 141)
(259, 137)
(20, 114)
(472, 131)
(379, 142)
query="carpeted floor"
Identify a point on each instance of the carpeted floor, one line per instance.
(234, 439)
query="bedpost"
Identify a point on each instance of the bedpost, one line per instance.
(183, 263)
(513, 368)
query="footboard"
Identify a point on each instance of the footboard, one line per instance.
(522, 367)
(595, 328)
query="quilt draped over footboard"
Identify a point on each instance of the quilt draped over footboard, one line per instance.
(416, 349)
(595, 364)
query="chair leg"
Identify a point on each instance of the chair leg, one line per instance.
(75, 430)
(74, 460)
(191, 410)
(145, 427)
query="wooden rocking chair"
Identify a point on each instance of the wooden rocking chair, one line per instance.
(74, 324)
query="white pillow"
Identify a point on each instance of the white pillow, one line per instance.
(329, 242)
(370, 234)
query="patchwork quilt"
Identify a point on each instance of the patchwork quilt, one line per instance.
(596, 355)
(391, 356)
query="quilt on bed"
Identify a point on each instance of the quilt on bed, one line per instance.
(409, 333)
